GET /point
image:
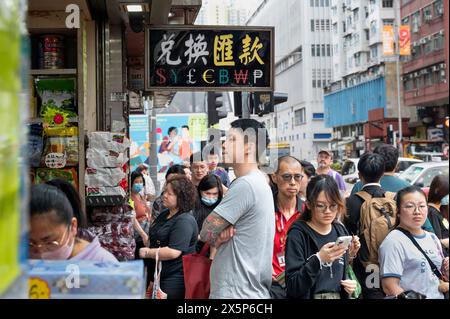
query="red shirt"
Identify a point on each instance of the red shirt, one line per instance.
(281, 228)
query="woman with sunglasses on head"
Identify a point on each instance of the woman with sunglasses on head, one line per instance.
(405, 267)
(54, 229)
(315, 264)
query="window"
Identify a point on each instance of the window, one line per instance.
(373, 52)
(312, 25)
(322, 25)
(318, 116)
(313, 50)
(439, 8)
(327, 21)
(388, 3)
(427, 13)
(415, 22)
(322, 136)
(328, 49)
(388, 22)
(314, 84)
(324, 52)
(318, 50)
(438, 42)
(428, 80)
(373, 28)
(300, 116)
(428, 47)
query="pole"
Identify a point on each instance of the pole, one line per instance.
(397, 38)
(153, 162)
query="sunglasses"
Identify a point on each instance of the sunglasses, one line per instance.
(289, 177)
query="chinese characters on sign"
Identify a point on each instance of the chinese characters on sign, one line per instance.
(205, 58)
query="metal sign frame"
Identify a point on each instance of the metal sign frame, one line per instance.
(149, 88)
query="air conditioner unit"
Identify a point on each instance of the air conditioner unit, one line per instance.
(428, 17)
(441, 32)
(415, 44)
(416, 74)
(442, 66)
(435, 68)
(423, 41)
(443, 73)
(424, 71)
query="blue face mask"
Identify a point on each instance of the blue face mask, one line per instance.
(137, 188)
(209, 201)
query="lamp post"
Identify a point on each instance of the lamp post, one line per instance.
(397, 49)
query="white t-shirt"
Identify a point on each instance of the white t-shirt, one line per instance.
(401, 259)
(149, 186)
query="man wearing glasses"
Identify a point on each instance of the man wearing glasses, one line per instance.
(288, 207)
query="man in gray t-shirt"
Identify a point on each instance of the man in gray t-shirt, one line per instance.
(242, 226)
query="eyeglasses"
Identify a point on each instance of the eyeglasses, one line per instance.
(288, 177)
(412, 208)
(323, 208)
(51, 246)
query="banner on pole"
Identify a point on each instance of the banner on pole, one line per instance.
(388, 40)
(405, 40)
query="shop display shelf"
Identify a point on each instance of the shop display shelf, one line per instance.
(35, 120)
(53, 71)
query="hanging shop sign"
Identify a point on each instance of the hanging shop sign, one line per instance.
(209, 58)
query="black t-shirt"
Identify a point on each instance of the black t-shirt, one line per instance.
(330, 278)
(179, 232)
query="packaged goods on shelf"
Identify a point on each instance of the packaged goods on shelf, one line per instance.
(114, 227)
(62, 145)
(61, 131)
(107, 141)
(35, 144)
(95, 177)
(105, 191)
(99, 158)
(105, 280)
(57, 95)
(46, 174)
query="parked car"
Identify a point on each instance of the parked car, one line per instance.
(350, 168)
(422, 174)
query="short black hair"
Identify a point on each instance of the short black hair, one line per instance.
(185, 126)
(185, 191)
(399, 198)
(210, 181)
(317, 185)
(74, 199)
(171, 129)
(371, 167)
(390, 155)
(245, 124)
(308, 168)
(45, 199)
(438, 189)
(196, 157)
(135, 175)
(175, 169)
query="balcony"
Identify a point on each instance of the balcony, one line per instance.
(424, 60)
(428, 96)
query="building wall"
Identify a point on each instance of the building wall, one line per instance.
(352, 105)
(425, 73)
(295, 71)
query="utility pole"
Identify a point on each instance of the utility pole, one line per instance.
(397, 49)
(153, 162)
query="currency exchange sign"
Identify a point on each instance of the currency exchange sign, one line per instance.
(209, 58)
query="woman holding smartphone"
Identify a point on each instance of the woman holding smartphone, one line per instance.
(315, 263)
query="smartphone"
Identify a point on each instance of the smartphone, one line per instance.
(344, 241)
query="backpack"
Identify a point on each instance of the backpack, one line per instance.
(377, 219)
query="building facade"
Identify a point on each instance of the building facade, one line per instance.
(364, 80)
(303, 66)
(425, 73)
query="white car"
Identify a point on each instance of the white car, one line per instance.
(350, 168)
(422, 174)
